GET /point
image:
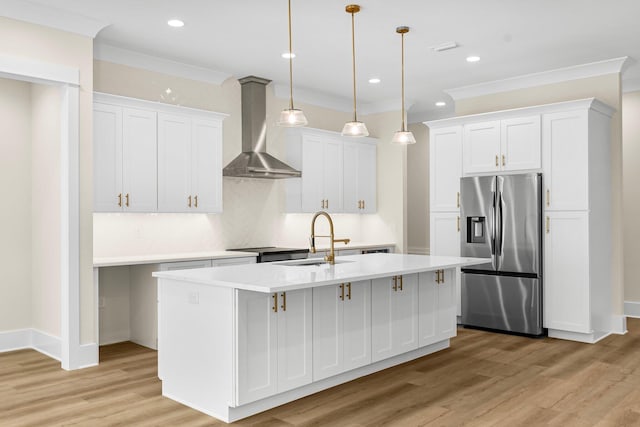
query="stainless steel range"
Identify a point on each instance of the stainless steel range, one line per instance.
(272, 253)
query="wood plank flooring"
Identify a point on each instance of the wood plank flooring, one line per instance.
(484, 379)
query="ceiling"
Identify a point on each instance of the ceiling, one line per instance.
(244, 37)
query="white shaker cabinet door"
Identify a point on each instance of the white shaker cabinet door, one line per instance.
(566, 272)
(351, 186)
(445, 163)
(257, 331)
(481, 147)
(445, 234)
(333, 167)
(357, 324)
(520, 143)
(446, 310)
(174, 163)
(437, 306)
(565, 160)
(107, 158)
(328, 327)
(295, 357)
(206, 169)
(405, 322)
(312, 173)
(139, 160)
(367, 185)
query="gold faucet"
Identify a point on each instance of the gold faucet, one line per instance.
(331, 258)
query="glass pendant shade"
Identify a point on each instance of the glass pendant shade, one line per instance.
(355, 128)
(292, 117)
(403, 137)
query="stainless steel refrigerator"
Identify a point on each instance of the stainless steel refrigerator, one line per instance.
(502, 220)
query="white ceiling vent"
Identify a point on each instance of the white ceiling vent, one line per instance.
(444, 46)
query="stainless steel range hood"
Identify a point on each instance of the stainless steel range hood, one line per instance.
(254, 161)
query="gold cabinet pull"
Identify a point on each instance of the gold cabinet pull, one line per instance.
(504, 161)
(327, 203)
(437, 276)
(189, 201)
(322, 204)
(275, 302)
(349, 290)
(126, 203)
(359, 204)
(195, 199)
(363, 205)
(400, 282)
(548, 225)
(395, 283)
(458, 199)
(120, 199)
(284, 301)
(458, 223)
(441, 276)
(341, 291)
(497, 161)
(548, 198)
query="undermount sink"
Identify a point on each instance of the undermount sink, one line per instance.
(312, 262)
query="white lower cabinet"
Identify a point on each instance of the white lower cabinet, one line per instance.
(567, 292)
(394, 316)
(341, 328)
(437, 303)
(274, 343)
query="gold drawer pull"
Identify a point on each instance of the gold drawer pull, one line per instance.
(341, 291)
(395, 283)
(196, 201)
(120, 199)
(548, 198)
(400, 282)
(349, 290)
(497, 161)
(275, 302)
(548, 225)
(284, 301)
(126, 203)
(189, 201)
(504, 162)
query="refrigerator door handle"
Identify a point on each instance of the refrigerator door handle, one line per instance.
(501, 227)
(492, 237)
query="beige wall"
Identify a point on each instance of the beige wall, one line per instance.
(45, 208)
(15, 215)
(631, 194)
(43, 44)
(418, 190)
(605, 88)
(253, 208)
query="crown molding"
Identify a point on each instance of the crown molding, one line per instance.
(337, 103)
(538, 79)
(52, 17)
(118, 55)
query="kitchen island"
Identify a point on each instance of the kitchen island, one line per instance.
(238, 340)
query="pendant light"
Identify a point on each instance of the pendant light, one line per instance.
(354, 128)
(291, 117)
(403, 136)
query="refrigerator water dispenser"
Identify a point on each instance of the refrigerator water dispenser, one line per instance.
(476, 229)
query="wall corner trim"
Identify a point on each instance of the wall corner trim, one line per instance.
(575, 72)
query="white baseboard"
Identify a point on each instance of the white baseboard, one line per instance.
(33, 339)
(418, 251)
(114, 337)
(632, 308)
(15, 340)
(619, 324)
(88, 355)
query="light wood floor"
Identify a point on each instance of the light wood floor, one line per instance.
(484, 379)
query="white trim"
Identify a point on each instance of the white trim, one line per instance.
(24, 69)
(619, 324)
(418, 250)
(590, 338)
(88, 355)
(142, 104)
(32, 339)
(632, 308)
(48, 16)
(118, 55)
(538, 79)
(579, 104)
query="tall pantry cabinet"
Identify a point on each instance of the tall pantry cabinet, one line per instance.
(569, 142)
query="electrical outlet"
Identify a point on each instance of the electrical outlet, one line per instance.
(194, 298)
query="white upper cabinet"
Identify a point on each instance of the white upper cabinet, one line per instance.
(151, 157)
(338, 174)
(360, 177)
(502, 145)
(481, 147)
(189, 164)
(566, 162)
(125, 151)
(445, 164)
(520, 143)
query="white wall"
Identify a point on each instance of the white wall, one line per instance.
(45, 208)
(15, 215)
(418, 191)
(253, 208)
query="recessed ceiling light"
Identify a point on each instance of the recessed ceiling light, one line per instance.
(440, 104)
(175, 23)
(374, 80)
(473, 58)
(288, 55)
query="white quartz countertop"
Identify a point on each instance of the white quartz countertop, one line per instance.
(282, 277)
(160, 258)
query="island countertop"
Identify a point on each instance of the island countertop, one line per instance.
(283, 276)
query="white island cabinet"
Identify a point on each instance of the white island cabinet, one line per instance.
(238, 340)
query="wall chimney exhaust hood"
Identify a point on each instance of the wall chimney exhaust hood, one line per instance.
(254, 161)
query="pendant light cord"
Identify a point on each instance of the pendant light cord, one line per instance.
(290, 63)
(353, 50)
(403, 126)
